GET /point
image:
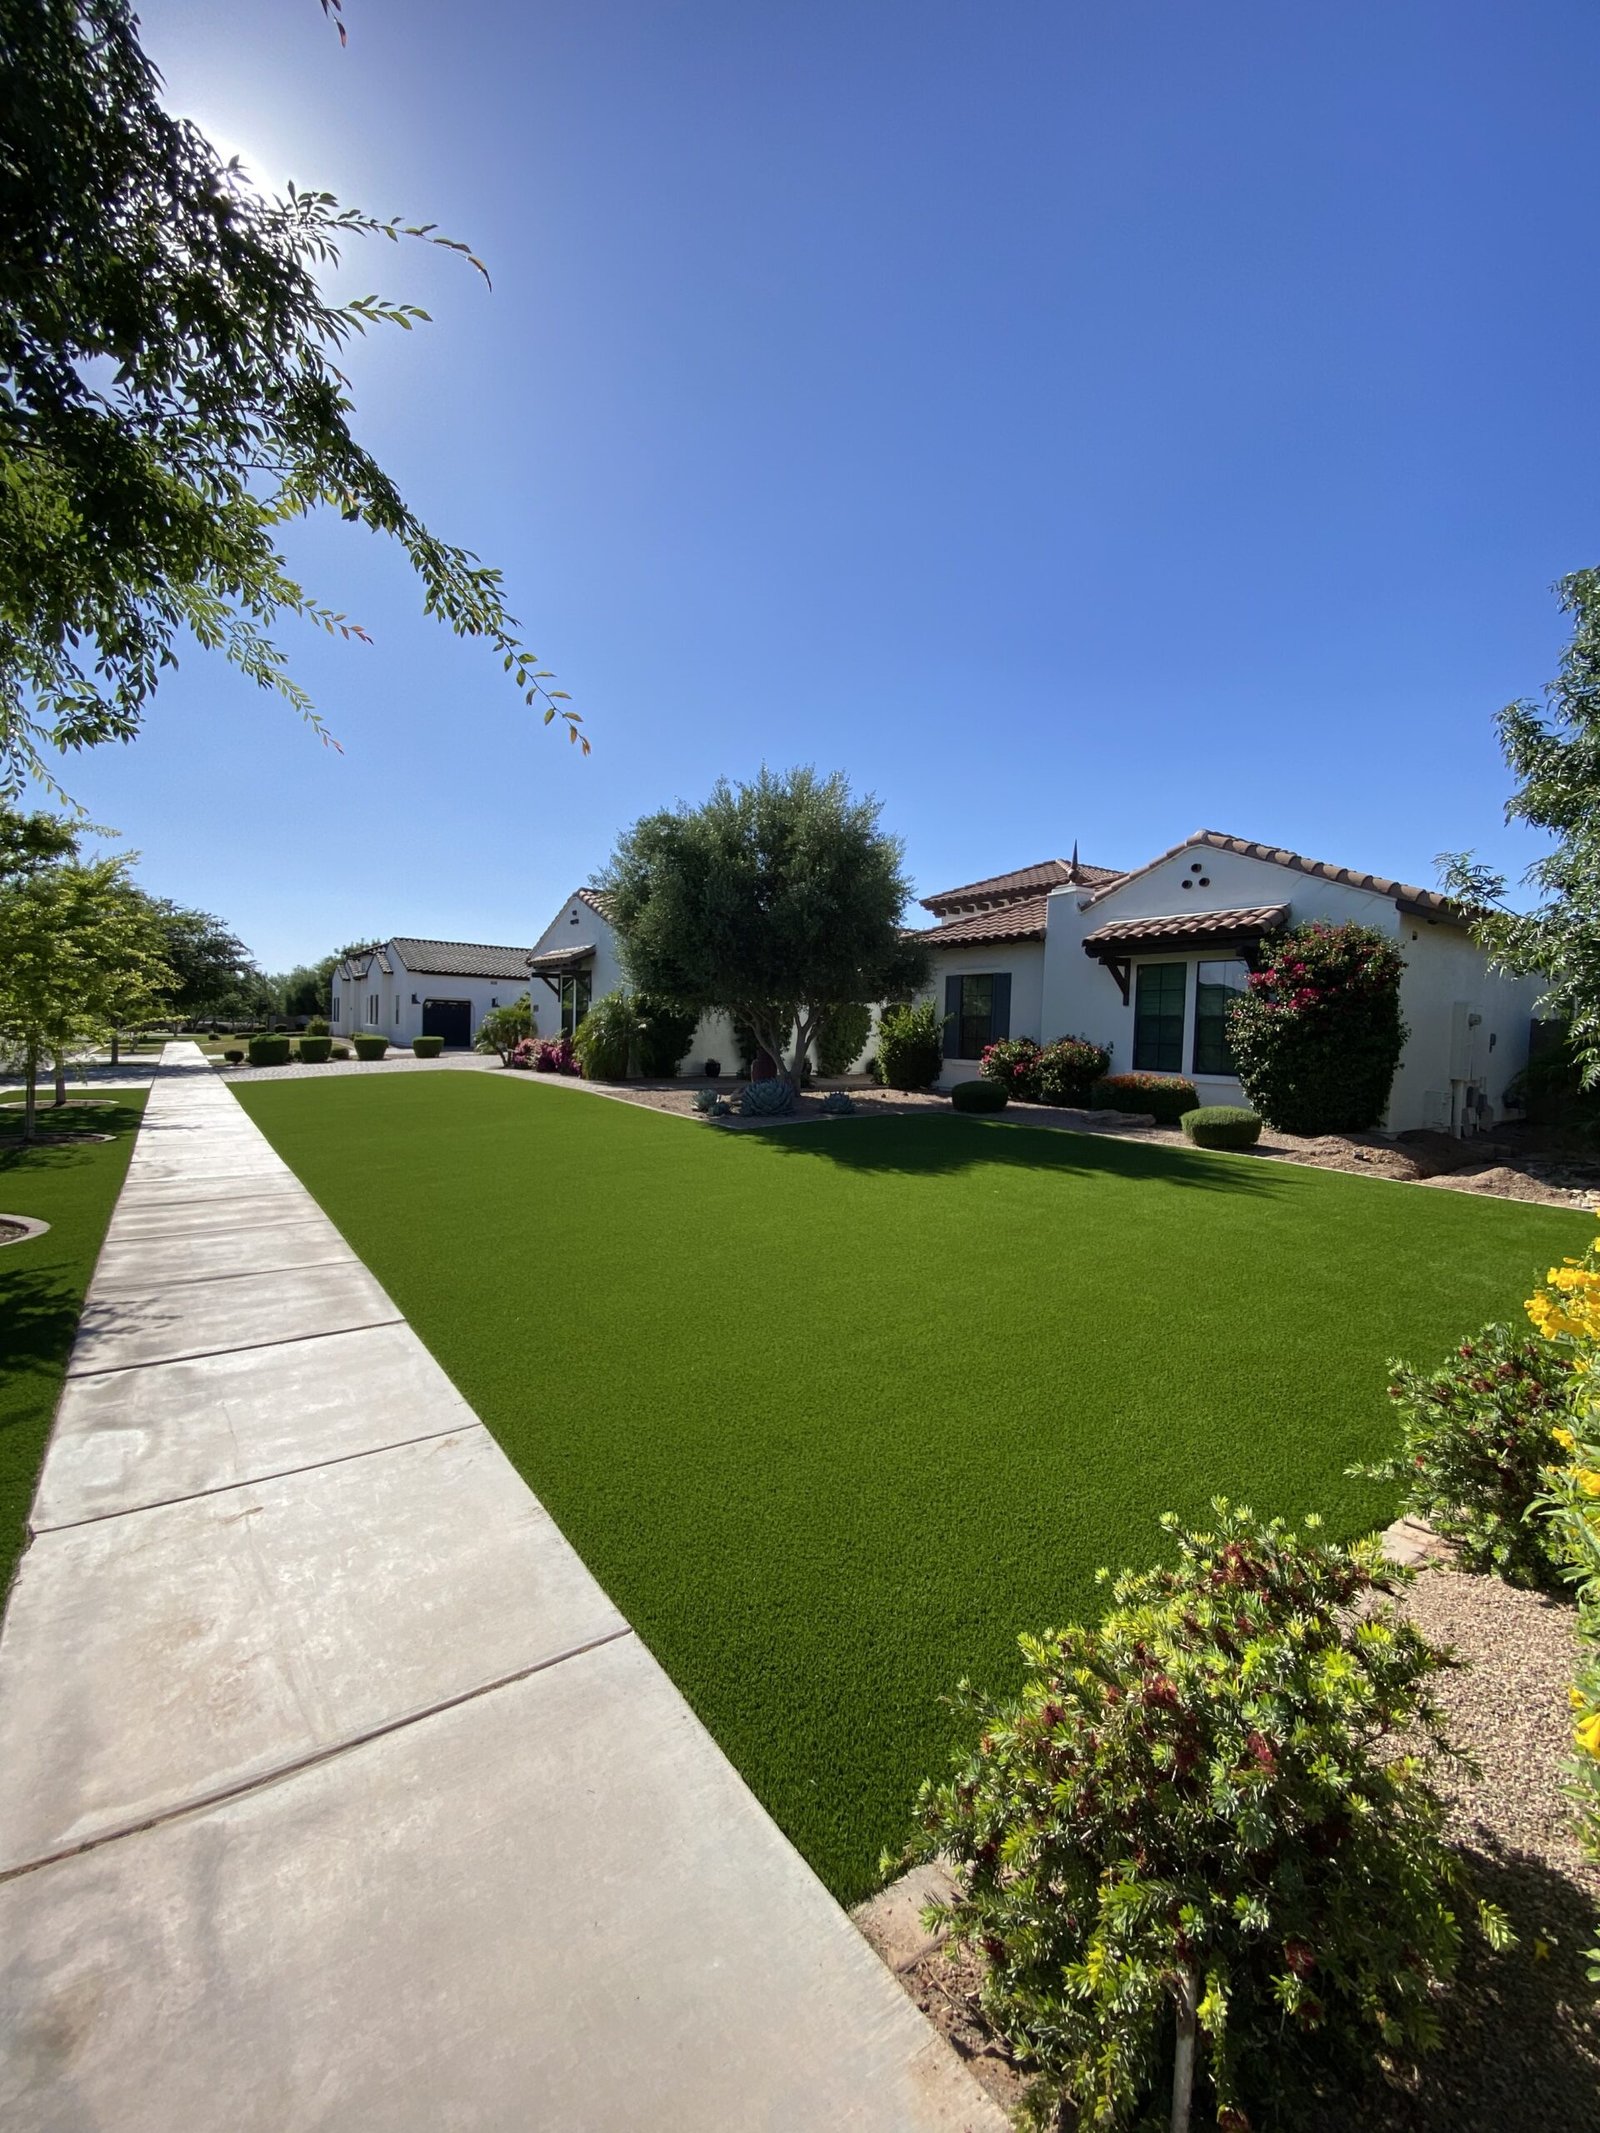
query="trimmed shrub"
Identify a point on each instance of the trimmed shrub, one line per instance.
(314, 1051)
(233, 1058)
(427, 1047)
(341, 1051)
(838, 1103)
(317, 1027)
(1194, 1816)
(712, 1069)
(766, 1099)
(978, 1096)
(840, 1036)
(1068, 1069)
(1013, 1065)
(269, 1051)
(667, 1035)
(504, 1028)
(607, 1039)
(910, 1047)
(1475, 1438)
(1164, 1096)
(1317, 1037)
(1222, 1126)
(370, 1047)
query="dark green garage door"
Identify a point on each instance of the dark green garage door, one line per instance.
(449, 1019)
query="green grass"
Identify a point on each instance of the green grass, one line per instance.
(42, 1281)
(834, 1412)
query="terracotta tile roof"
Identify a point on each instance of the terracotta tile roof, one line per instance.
(1127, 933)
(1012, 888)
(562, 958)
(460, 959)
(1023, 920)
(598, 900)
(1427, 901)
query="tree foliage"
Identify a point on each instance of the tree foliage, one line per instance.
(1553, 751)
(81, 951)
(771, 901)
(214, 974)
(504, 1028)
(170, 396)
(1317, 1037)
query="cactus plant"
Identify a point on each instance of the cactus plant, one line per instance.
(838, 1104)
(766, 1099)
(706, 1101)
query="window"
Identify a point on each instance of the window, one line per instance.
(374, 1007)
(397, 1010)
(978, 1013)
(1215, 985)
(576, 993)
(1158, 1017)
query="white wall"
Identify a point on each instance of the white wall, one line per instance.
(578, 924)
(1468, 1025)
(1023, 960)
(399, 1016)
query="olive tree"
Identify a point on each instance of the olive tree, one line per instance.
(773, 901)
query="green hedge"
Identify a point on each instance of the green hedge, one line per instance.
(1164, 1096)
(1222, 1126)
(371, 1047)
(978, 1096)
(427, 1047)
(269, 1051)
(314, 1050)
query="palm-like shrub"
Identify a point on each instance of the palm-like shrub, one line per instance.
(607, 1039)
(504, 1028)
(1317, 1036)
(1185, 1845)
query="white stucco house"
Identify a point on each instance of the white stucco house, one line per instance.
(1143, 962)
(576, 960)
(406, 987)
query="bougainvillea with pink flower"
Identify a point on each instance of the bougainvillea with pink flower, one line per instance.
(1318, 1035)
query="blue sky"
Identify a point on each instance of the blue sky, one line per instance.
(1073, 422)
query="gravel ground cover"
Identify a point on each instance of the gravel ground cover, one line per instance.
(834, 1412)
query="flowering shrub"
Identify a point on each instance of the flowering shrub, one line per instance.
(1566, 1312)
(555, 1055)
(1475, 1438)
(1164, 1096)
(1014, 1063)
(1318, 1034)
(1069, 1068)
(1184, 1840)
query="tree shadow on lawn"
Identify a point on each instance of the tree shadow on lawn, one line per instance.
(38, 1314)
(940, 1145)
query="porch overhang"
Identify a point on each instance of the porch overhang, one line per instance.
(558, 963)
(1227, 932)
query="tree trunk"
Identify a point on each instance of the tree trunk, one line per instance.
(61, 1081)
(1183, 2056)
(116, 1047)
(30, 1099)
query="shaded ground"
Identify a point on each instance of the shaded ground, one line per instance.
(72, 1184)
(1521, 2043)
(834, 1413)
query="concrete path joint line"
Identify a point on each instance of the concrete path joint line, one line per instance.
(199, 1355)
(258, 1780)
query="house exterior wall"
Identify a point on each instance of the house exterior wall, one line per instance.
(1447, 982)
(402, 996)
(577, 923)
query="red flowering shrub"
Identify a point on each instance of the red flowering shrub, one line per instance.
(1165, 1096)
(1193, 1821)
(1318, 1035)
(1014, 1064)
(555, 1056)
(1069, 1068)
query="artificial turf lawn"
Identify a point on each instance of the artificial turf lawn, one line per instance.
(834, 1411)
(73, 1186)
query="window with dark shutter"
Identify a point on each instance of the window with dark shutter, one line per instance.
(978, 1013)
(1158, 1017)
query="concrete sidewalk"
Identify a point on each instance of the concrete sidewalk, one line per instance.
(334, 1792)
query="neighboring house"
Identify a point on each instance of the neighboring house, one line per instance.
(405, 988)
(576, 961)
(1145, 962)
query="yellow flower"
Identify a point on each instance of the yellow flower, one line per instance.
(1564, 1437)
(1588, 1480)
(1576, 1697)
(1587, 1735)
